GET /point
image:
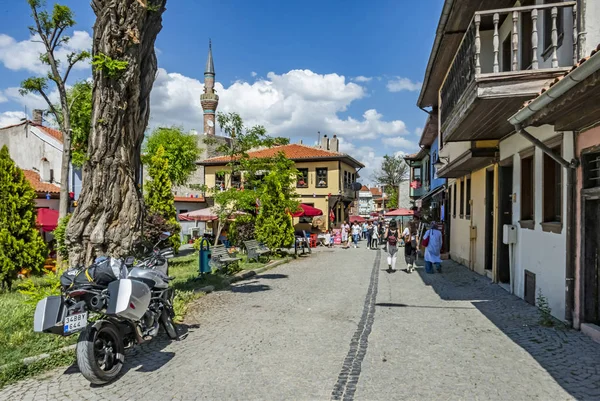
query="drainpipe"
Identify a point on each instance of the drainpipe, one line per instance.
(571, 168)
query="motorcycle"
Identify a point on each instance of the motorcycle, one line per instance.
(113, 305)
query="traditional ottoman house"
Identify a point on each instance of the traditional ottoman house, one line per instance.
(488, 58)
(571, 107)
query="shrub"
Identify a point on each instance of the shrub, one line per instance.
(60, 234)
(21, 245)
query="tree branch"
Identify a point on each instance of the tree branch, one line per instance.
(52, 109)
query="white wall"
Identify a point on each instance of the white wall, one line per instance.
(542, 253)
(28, 149)
(47, 203)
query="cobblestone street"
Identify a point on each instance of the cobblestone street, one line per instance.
(336, 325)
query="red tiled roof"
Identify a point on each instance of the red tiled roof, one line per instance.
(50, 131)
(291, 151)
(38, 185)
(558, 79)
(364, 188)
(199, 199)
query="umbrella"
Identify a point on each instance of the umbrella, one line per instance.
(307, 211)
(208, 214)
(356, 219)
(400, 212)
(47, 219)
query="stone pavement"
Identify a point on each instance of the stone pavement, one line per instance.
(336, 325)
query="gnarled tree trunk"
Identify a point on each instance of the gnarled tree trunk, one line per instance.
(109, 215)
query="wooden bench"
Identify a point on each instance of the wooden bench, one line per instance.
(255, 250)
(220, 257)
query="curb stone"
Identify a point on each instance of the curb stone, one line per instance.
(31, 359)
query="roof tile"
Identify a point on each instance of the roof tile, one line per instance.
(38, 185)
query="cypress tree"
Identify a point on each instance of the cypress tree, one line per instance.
(21, 245)
(159, 196)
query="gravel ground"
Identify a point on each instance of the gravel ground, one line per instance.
(336, 325)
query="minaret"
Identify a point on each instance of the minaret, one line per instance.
(209, 99)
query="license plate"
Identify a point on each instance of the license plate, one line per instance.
(75, 322)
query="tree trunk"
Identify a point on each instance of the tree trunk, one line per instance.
(109, 216)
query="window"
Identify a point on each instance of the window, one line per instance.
(302, 181)
(507, 54)
(527, 188)
(51, 175)
(454, 201)
(462, 198)
(548, 25)
(322, 177)
(552, 187)
(591, 168)
(220, 181)
(468, 197)
(236, 180)
(183, 211)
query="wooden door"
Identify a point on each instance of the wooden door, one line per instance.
(506, 190)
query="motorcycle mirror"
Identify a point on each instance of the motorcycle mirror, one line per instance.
(164, 235)
(129, 261)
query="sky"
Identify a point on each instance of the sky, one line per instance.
(348, 68)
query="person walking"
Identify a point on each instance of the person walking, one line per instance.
(369, 234)
(391, 238)
(356, 230)
(345, 231)
(432, 240)
(375, 238)
(364, 230)
(410, 244)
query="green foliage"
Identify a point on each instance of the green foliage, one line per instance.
(277, 197)
(154, 226)
(180, 149)
(241, 229)
(159, 197)
(109, 66)
(79, 98)
(545, 310)
(33, 85)
(60, 235)
(392, 202)
(394, 170)
(35, 291)
(21, 245)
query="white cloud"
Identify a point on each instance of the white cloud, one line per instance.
(295, 104)
(31, 100)
(403, 84)
(11, 117)
(400, 142)
(364, 154)
(362, 78)
(3, 98)
(25, 55)
(418, 131)
(253, 74)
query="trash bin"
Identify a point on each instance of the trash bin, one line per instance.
(204, 256)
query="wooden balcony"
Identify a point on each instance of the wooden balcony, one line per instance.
(505, 58)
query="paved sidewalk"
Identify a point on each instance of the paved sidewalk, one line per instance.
(336, 325)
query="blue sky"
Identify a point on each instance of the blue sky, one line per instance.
(291, 66)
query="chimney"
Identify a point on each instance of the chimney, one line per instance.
(325, 142)
(334, 144)
(300, 142)
(37, 116)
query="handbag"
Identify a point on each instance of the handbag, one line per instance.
(425, 241)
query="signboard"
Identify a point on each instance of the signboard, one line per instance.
(337, 236)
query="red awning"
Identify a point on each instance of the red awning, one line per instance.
(400, 212)
(47, 219)
(356, 219)
(307, 211)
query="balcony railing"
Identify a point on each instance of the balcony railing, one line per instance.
(523, 52)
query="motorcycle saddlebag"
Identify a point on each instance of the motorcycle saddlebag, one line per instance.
(128, 299)
(49, 315)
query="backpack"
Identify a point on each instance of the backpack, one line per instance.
(392, 237)
(101, 273)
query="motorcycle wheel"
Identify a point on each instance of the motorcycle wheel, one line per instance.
(167, 323)
(100, 353)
